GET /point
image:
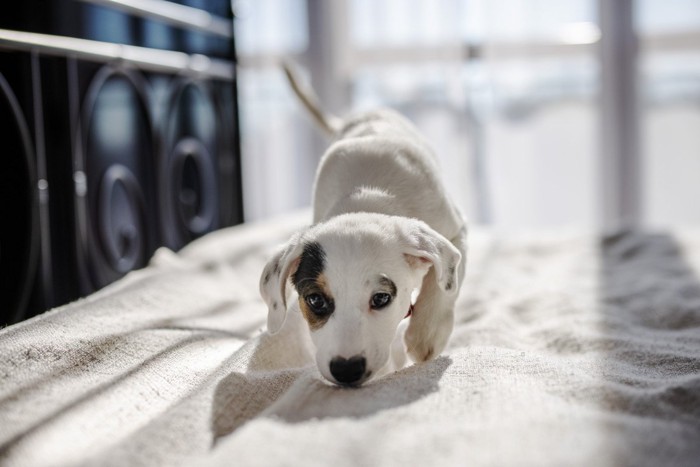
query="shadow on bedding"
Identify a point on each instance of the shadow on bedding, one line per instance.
(87, 355)
(650, 305)
(297, 395)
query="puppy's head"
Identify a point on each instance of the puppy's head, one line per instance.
(354, 276)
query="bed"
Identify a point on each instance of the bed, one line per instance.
(569, 348)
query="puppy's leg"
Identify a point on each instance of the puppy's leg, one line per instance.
(397, 356)
(432, 319)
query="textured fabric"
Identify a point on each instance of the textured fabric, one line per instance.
(568, 349)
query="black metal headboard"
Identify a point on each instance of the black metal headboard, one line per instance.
(120, 135)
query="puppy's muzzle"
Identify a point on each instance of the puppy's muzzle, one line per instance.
(348, 371)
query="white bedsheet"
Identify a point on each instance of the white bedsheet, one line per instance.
(568, 349)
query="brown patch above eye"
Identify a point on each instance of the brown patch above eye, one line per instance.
(387, 285)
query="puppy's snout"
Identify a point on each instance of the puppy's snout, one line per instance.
(348, 371)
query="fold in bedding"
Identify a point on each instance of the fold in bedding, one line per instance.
(568, 349)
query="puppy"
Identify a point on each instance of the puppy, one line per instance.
(384, 231)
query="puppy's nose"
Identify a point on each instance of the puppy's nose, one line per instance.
(348, 371)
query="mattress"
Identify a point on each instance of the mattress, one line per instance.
(569, 348)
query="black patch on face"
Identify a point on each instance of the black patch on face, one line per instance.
(309, 280)
(311, 265)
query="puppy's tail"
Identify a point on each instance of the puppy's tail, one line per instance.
(329, 123)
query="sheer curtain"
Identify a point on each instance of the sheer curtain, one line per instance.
(507, 91)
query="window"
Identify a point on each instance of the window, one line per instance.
(508, 92)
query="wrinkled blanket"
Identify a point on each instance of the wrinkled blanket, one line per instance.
(569, 349)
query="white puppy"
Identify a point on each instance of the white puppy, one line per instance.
(383, 228)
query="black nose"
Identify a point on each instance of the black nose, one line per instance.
(348, 371)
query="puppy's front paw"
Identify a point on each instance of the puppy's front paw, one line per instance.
(425, 340)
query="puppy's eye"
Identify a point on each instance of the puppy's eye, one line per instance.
(380, 300)
(318, 304)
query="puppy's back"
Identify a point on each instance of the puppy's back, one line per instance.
(381, 123)
(381, 163)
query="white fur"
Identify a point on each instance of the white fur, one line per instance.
(380, 209)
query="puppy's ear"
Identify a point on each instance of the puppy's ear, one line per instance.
(424, 247)
(273, 282)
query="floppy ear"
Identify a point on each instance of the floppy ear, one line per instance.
(273, 282)
(424, 247)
